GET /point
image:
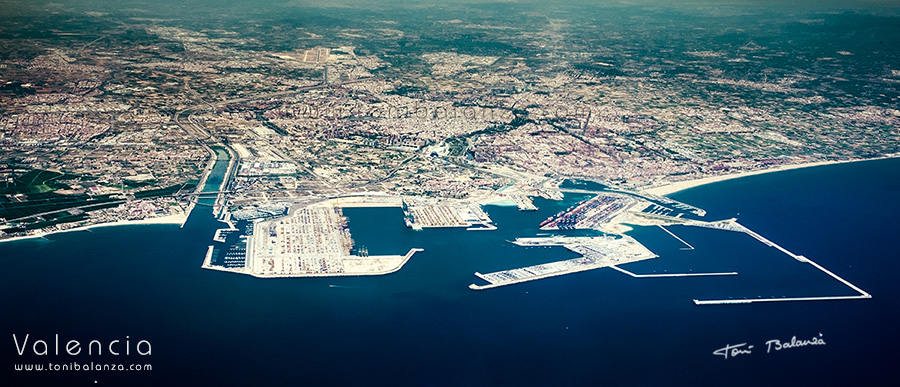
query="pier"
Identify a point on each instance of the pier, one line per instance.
(207, 260)
(757, 300)
(523, 202)
(222, 233)
(769, 243)
(676, 237)
(619, 269)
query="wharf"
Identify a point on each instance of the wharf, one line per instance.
(524, 203)
(536, 272)
(352, 265)
(596, 252)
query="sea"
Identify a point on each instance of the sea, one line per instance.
(422, 326)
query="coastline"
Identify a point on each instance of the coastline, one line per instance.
(678, 186)
(178, 219)
(660, 190)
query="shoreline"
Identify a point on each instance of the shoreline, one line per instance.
(678, 186)
(178, 219)
(660, 190)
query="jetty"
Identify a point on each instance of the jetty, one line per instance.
(689, 247)
(665, 275)
(733, 225)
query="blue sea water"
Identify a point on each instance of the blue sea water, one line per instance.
(423, 326)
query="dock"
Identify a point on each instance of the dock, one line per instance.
(207, 263)
(662, 200)
(591, 213)
(352, 266)
(207, 260)
(596, 252)
(536, 272)
(524, 203)
(222, 233)
(420, 214)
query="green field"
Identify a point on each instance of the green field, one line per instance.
(30, 197)
(38, 181)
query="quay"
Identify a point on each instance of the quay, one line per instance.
(352, 266)
(420, 215)
(356, 266)
(524, 203)
(532, 273)
(596, 252)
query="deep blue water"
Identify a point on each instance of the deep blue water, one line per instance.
(423, 326)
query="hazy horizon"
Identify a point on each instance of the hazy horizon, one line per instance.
(213, 8)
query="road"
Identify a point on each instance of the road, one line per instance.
(207, 140)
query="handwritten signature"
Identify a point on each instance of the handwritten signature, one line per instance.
(743, 349)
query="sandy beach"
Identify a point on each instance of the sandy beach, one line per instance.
(670, 188)
(178, 219)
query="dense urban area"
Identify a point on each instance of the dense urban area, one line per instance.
(111, 116)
